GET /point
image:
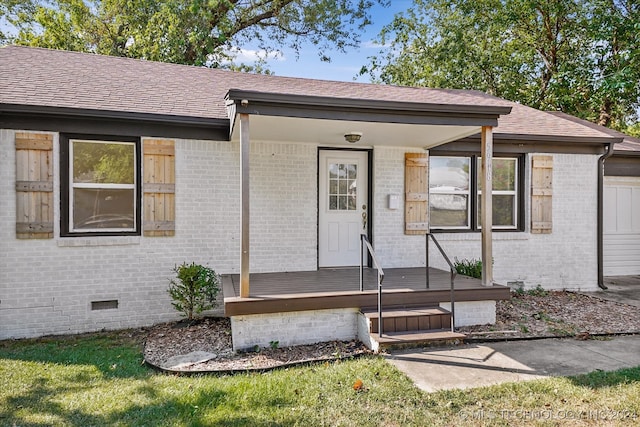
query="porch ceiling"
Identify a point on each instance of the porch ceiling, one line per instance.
(331, 132)
(324, 119)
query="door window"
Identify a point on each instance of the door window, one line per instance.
(343, 189)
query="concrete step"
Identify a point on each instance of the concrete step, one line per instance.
(417, 338)
(405, 320)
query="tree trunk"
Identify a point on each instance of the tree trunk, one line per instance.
(604, 119)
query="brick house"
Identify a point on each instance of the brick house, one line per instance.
(114, 170)
(621, 204)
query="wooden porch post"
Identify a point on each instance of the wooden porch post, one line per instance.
(486, 211)
(244, 217)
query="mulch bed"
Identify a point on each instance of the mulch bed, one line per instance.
(544, 314)
(529, 315)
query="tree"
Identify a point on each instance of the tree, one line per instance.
(196, 32)
(580, 57)
(613, 63)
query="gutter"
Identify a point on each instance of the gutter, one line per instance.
(601, 161)
(54, 111)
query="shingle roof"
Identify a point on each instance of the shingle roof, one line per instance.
(629, 143)
(52, 78)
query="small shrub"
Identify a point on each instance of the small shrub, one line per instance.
(541, 315)
(469, 267)
(538, 291)
(194, 290)
(274, 344)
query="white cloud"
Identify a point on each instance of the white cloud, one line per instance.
(251, 55)
(372, 44)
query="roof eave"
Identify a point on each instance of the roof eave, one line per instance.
(333, 108)
(88, 121)
(110, 114)
(626, 153)
(551, 139)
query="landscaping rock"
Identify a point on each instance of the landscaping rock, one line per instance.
(182, 361)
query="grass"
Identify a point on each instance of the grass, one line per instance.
(99, 379)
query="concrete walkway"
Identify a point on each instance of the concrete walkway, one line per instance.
(624, 289)
(477, 365)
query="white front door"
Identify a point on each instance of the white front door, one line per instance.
(343, 206)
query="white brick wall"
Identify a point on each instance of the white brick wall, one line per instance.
(284, 207)
(294, 328)
(470, 313)
(46, 286)
(392, 246)
(363, 325)
(564, 259)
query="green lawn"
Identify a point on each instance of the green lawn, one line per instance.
(100, 380)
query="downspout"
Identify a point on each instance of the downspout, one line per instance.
(601, 160)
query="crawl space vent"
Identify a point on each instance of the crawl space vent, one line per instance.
(104, 305)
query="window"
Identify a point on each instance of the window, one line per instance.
(504, 196)
(342, 186)
(100, 186)
(452, 181)
(449, 186)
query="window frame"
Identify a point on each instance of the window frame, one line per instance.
(468, 193)
(494, 192)
(338, 193)
(66, 184)
(475, 192)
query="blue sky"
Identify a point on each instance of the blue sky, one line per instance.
(343, 66)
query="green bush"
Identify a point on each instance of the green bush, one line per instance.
(538, 291)
(468, 267)
(194, 290)
(519, 290)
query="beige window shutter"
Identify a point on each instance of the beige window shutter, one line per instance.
(541, 194)
(159, 182)
(34, 185)
(416, 189)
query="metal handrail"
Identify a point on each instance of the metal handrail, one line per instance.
(364, 241)
(453, 273)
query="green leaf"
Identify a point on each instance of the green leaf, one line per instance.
(582, 58)
(195, 32)
(194, 290)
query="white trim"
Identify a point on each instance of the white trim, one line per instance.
(92, 185)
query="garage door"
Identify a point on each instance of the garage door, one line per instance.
(621, 226)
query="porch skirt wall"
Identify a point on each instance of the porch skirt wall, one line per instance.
(294, 328)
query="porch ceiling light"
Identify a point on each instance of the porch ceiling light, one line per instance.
(353, 137)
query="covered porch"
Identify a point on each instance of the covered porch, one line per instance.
(329, 288)
(340, 124)
(327, 304)
(368, 177)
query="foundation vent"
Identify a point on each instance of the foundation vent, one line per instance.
(104, 305)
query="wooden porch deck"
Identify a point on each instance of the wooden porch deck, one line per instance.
(339, 288)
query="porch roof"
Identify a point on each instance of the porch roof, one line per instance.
(325, 120)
